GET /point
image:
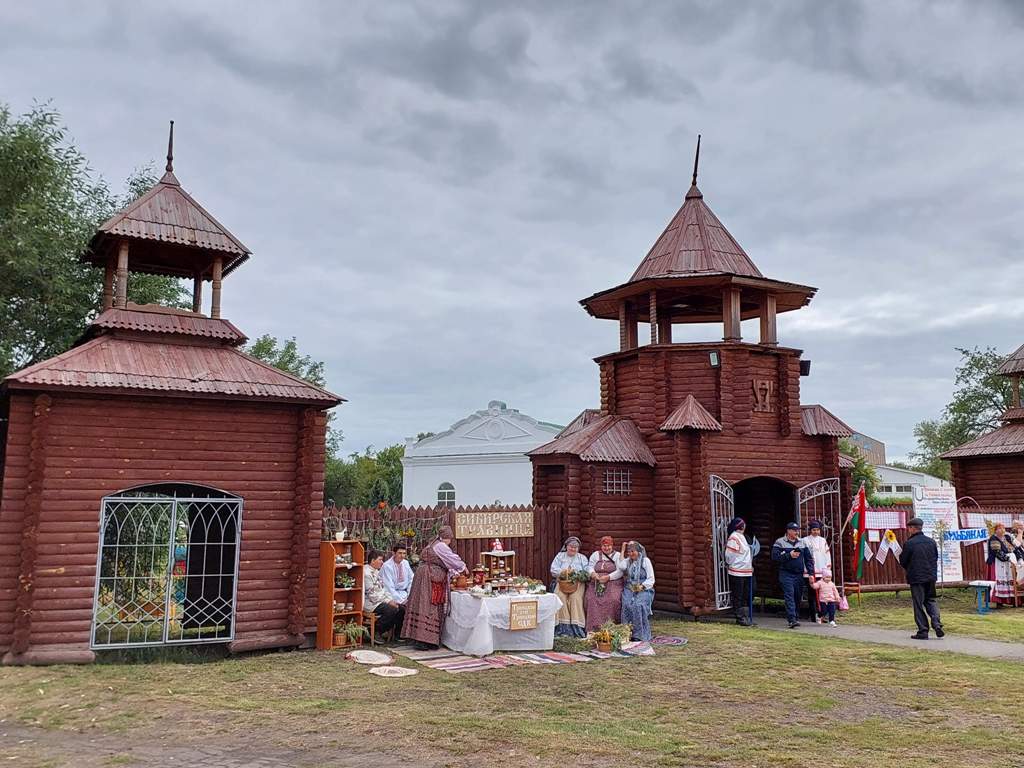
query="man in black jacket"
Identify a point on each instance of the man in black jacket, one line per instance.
(795, 564)
(919, 558)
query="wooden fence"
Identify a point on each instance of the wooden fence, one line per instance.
(890, 575)
(533, 553)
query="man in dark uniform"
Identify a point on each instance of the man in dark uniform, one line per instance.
(919, 558)
(795, 564)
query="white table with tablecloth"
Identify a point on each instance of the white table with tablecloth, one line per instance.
(478, 626)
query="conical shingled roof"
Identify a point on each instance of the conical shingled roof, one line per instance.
(1014, 364)
(162, 224)
(695, 242)
(691, 415)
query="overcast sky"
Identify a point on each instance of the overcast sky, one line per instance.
(429, 189)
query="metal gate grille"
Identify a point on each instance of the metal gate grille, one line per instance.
(723, 505)
(166, 571)
(820, 500)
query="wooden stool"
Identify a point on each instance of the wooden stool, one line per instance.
(854, 587)
(1018, 586)
(370, 620)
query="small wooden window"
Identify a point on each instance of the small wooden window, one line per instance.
(618, 481)
(446, 495)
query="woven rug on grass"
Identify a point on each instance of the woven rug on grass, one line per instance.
(447, 660)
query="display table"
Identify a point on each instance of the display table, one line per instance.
(478, 626)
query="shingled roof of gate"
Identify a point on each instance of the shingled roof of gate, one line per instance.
(604, 438)
(818, 420)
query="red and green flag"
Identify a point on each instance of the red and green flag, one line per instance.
(858, 518)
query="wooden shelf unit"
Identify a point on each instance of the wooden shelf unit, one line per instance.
(329, 594)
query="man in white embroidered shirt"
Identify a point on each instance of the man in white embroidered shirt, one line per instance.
(396, 573)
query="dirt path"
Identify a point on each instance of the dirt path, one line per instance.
(989, 649)
(26, 746)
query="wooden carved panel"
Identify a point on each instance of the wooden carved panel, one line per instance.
(764, 396)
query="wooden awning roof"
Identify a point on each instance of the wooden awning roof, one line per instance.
(818, 420)
(604, 438)
(1003, 441)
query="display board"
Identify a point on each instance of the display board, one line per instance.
(522, 614)
(495, 524)
(936, 506)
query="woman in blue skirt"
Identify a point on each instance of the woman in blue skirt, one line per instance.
(637, 589)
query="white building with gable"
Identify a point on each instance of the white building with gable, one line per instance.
(479, 461)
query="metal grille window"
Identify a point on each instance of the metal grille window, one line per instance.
(167, 567)
(618, 481)
(446, 495)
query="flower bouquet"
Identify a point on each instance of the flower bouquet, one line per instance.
(344, 581)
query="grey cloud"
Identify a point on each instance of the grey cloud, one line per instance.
(430, 188)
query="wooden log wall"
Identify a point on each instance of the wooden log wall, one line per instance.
(996, 481)
(533, 553)
(646, 384)
(97, 446)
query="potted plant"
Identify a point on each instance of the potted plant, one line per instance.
(602, 640)
(344, 581)
(349, 633)
(609, 636)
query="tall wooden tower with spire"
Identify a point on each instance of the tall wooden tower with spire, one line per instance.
(689, 434)
(159, 486)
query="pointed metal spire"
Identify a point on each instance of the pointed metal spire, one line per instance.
(170, 153)
(696, 161)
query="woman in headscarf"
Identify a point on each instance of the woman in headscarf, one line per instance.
(1016, 539)
(817, 545)
(427, 607)
(637, 589)
(1000, 569)
(604, 591)
(571, 620)
(739, 565)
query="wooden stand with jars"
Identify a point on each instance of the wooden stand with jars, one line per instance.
(340, 592)
(499, 565)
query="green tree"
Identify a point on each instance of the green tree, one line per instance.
(286, 357)
(50, 206)
(863, 471)
(980, 396)
(340, 477)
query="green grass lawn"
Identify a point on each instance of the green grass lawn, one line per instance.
(958, 608)
(732, 697)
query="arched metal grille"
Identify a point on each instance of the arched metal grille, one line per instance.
(820, 501)
(723, 505)
(167, 569)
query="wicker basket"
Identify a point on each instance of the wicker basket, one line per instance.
(567, 586)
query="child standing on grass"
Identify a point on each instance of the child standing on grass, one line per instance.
(828, 596)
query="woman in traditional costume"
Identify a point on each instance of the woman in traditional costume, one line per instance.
(571, 620)
(637, 590)
(603, 600)
(427, 607)
(1016, 539)
(1000, 568)
(817, 545)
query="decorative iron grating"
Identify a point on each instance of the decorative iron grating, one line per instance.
(167, 571)
(723, 506)
(820, 501)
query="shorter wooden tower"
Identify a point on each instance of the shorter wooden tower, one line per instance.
(159, 486)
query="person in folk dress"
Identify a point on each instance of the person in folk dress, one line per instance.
(603, 600)
(637, 590)
(1016, 538)
(739, 564)
(571, 620)
(817, 545)
(1000, 570)
(427, 607)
